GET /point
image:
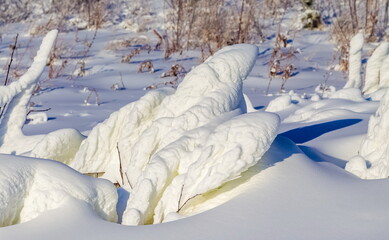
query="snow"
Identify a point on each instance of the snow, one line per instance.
(355, 62)
(374, 148)
(31, 187)
(373, 66)
(16, 96)
(384, 73)
(210, 159)
(292, 198)
(160, 117)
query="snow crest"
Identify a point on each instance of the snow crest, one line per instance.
(30, 187)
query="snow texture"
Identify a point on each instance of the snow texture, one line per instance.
(372, 78)
(30, 187)
(279, 104)
(355, 62)
(160, 136)
(374, 148)
(59, 145)
(384, 73)
(231, 149)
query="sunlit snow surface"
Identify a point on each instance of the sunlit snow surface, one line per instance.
(294, 192)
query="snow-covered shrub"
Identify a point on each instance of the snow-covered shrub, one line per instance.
(30, 187)
(16, 97)
(172, 136)
(355, 62)
(311, 19)
(372, 78)
(375, 147)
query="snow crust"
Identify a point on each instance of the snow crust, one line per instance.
(355, 62)
(30, 187)
(372, 78)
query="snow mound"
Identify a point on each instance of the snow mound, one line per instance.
(279, 103)
(375, 147)
(30, 187)
(61, 145)
(231, 149)
(140, 129)
(194, 137)
(353, 94)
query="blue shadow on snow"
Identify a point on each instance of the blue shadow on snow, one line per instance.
(308, 133)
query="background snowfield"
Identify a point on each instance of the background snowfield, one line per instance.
(298, 189)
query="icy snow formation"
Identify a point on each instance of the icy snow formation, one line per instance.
(158, 139)
(355, 62)
(374, 148)
(372, 78)
(59, 145)
(30, 187)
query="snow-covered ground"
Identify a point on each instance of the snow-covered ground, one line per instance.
(230, 160)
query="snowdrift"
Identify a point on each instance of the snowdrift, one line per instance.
(30, 187)
(171, 146)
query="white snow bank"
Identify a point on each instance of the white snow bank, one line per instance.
(166, 133)
(373, 66)
(375, 147)
(30, 187)
(355, 62)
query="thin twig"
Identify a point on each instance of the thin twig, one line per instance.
(120, 163)
(12, 58)
(179, 199)
(8, 69)
(121, 169)
(38, 110)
